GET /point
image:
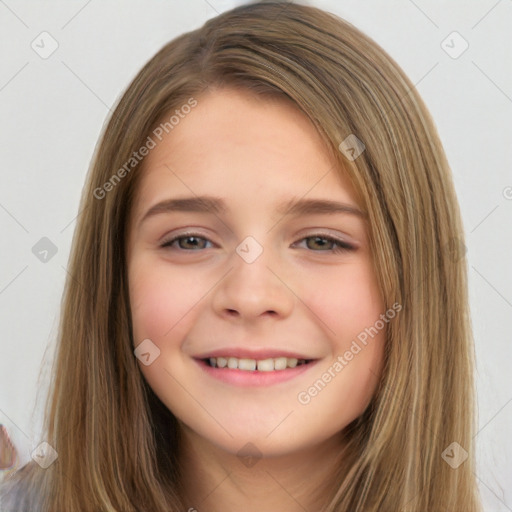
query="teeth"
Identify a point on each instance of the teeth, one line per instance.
(262, 365)
(292, 363)
(280, 363)
(266, 365)
(246, 364)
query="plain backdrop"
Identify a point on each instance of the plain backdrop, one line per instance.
(52, 110)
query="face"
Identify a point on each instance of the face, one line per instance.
(252, 302)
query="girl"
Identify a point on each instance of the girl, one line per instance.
(267, 304)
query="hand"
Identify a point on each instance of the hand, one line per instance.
(8, 453)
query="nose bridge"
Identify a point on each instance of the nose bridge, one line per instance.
(252, 262)
(252, 286)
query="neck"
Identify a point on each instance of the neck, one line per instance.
(215, 480)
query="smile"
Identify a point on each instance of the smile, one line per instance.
(261, 365)
(249, 372)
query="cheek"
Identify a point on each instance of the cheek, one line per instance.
(349, 303)
(347, 300)
(160, 298)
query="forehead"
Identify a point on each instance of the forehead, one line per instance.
(234, 143)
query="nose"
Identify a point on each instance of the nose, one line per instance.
(254, 289)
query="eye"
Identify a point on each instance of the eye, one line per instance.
(325, 244)
(187, 242)
(317, 243)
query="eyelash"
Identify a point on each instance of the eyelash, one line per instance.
(341, 246)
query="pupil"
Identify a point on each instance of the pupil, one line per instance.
(320, 241)
(190, 240)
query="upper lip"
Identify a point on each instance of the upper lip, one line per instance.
(245, 353)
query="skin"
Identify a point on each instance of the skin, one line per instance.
(199, 294)
(8, 454)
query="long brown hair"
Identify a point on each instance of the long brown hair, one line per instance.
(115, 440)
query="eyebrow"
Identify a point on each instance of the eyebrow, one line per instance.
(216, 205)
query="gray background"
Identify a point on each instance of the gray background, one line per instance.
(52, 110)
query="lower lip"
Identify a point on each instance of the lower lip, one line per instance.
(253, 377)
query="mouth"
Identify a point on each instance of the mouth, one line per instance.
(259, 365)
(249, 372)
